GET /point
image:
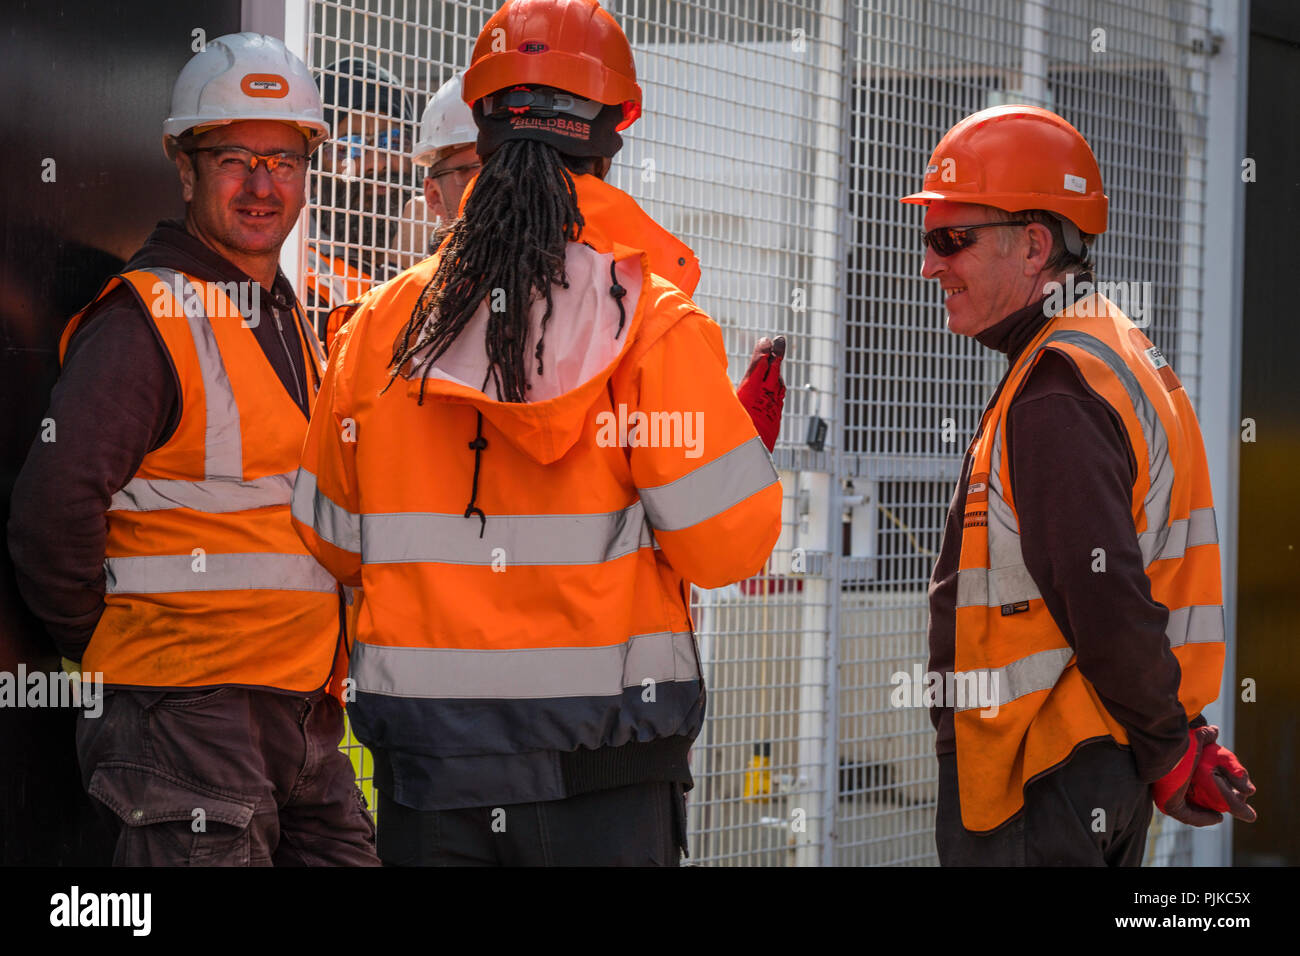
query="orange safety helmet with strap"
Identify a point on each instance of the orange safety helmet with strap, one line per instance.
(556, 71)
(573, 45)
(1019, 157)
(206, 582)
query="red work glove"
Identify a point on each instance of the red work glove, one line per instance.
(762, 390)
(1193, 794)
(1220, 782)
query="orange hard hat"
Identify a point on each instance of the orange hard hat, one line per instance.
(571, 45)
(1017, 157)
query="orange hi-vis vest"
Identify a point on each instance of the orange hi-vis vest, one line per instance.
(206, 582)
(332, 283)
(1006, 638)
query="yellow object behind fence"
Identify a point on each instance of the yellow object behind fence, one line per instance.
(758, 778)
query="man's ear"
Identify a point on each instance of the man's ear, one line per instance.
(185, 167)
(433, 197)
(601, 167)
(1038, 248)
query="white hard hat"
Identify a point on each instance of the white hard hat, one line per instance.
(447, 121)
(245, 76)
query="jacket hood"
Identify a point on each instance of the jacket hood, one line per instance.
(595, 324)
(588, 333)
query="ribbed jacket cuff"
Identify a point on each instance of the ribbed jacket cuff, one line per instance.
(662, 759)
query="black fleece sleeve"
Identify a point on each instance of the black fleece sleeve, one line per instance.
(115, 400)
(1072, 478)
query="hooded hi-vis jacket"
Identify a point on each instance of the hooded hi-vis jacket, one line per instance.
(610, 217)
(525, 565)
(1026, 705)
(206, 582)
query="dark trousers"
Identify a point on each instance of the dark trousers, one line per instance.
(227, 777)
(1091, 811)
(640, 825)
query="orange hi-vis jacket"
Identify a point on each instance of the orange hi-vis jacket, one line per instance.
(1006, 639)
(551, 615)
(206, 582)
(612, 216)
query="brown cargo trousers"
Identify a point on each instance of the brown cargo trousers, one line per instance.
(225, 777)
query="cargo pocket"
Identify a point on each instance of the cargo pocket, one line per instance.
(364, 808)
(679, 818)
(167, 821)
(669, 840)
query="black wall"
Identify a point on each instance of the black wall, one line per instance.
(1268, 564)
(86, 83)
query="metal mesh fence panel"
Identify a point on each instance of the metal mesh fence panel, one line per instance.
(776, 140)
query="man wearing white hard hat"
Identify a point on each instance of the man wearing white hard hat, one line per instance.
(154, 538)
(447, 147)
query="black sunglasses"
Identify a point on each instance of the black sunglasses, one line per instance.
(949, 240)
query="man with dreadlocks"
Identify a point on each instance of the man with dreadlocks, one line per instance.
(525, 448)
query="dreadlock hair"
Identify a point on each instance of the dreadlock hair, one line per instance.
(512, 237)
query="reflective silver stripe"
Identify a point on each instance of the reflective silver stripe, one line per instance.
(1197, 624)
(1036, 672)
(162, 574)
(1009, 579)
(1198, 528)
(710, 489)
(514, 539)
(977, 587)
(1006, 580)
(529, 673)
(333, 522)
(217, 496)
(222, 449)
(1160, 467)
(973, 587)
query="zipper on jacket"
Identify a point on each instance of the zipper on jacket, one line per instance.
(293, 370)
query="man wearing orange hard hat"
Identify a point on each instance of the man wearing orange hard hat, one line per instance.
(154, 539)
(526, 671)
(1078, 585)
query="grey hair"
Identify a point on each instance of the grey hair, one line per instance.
(1062, 258)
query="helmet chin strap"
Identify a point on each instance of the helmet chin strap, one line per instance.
(1073, 240)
